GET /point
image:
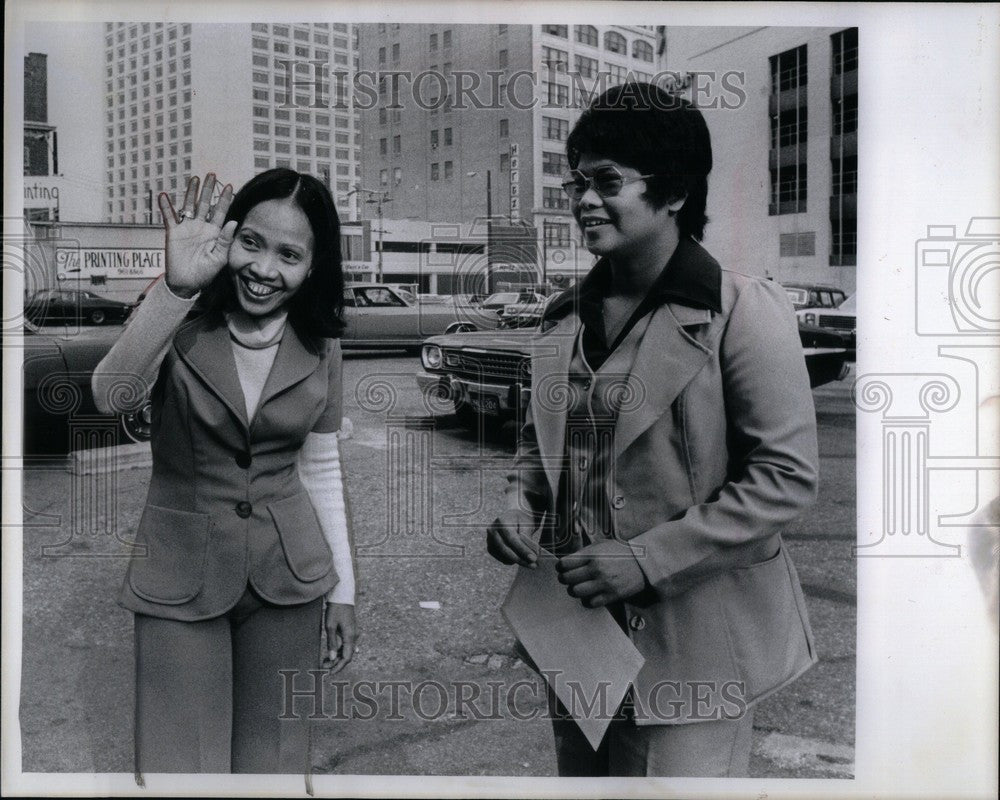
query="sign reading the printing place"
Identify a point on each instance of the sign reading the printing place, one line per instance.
(515, 174)
(111, 263)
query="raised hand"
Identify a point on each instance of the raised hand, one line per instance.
(197, 242)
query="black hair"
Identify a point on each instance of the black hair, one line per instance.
(316, 309)
(643, 126)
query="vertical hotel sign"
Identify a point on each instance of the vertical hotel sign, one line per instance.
(515, 173)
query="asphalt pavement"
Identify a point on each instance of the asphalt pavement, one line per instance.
(436, 687)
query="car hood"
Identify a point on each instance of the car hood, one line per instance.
(517, 340)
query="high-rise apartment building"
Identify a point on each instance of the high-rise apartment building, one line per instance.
(476, 123)
(782, 198)
(185, 98)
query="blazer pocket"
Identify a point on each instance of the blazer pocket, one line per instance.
(766, 629)
(306, 551)
(173, 569)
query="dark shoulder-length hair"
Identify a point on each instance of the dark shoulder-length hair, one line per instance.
(316, 309)
(642, 126)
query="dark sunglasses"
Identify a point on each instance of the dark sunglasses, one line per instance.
(607, 182)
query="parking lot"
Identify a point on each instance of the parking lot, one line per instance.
(421, 488)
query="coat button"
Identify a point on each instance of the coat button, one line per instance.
(244, 509)
(618, 501)
(243, 460)
(583, 463)
(636, 622)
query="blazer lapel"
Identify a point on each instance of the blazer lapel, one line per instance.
(204, 346)
(550, 359)
(667, 359)
(295, 361)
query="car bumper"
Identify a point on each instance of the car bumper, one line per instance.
(487, 398)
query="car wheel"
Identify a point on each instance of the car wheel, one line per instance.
(96, 317)
(137, 425)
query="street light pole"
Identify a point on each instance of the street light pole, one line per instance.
(376, 198)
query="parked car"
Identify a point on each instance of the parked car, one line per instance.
(489, 372)
(814, 295)
(499, 300)
(378, 315)
(62, 306)
(59, 409)
(843, 319)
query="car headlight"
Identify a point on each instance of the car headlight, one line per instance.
(430, 356)
(809, 319)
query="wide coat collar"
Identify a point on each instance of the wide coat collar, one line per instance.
(667, 359)
(204, 344)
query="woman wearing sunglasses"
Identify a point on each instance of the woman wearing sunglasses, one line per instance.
(671, 436)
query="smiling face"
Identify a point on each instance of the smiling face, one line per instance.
(270, 256)
(621, 226)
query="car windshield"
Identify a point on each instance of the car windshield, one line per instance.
(850, 304)
(504, 298)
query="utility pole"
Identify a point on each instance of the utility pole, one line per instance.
(376, 198)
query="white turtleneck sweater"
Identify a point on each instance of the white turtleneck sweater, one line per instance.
(142, 348)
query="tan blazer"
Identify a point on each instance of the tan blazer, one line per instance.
(225, 505)
(714, 455)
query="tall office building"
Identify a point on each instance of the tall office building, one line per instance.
(444, 154)
(183, 99)
(782, 198)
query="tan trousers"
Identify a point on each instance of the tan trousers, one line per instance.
(210, 695)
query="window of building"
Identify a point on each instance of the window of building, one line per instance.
(504, 128)
(397, 176)
(303, 149)
(447, 137)
(617, 75)
(562, 31)
(435, 171)
(844, 244)
(261, 162)
(557, 94)
(554, 164)
(282, 147)
(556, 234)
(845, 175)
(790, 127)
(395, 53)
(396, 145)
(555, 128)
(614, 42)
(261, 145)
(845, 115)
(555, 59)
(642, 50)
(586, 34)
(789, 70)
(434, 140)
(433, 44)
(504, 162)
(845, 51)
(258, 127)
(789, 188)
(383, 146)
(446, 38)
(555, 198)
(448, 170)
(586, 67)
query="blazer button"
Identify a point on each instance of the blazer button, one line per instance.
(244, 509)
(636, 622)
(618, 501)
(243, 460)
